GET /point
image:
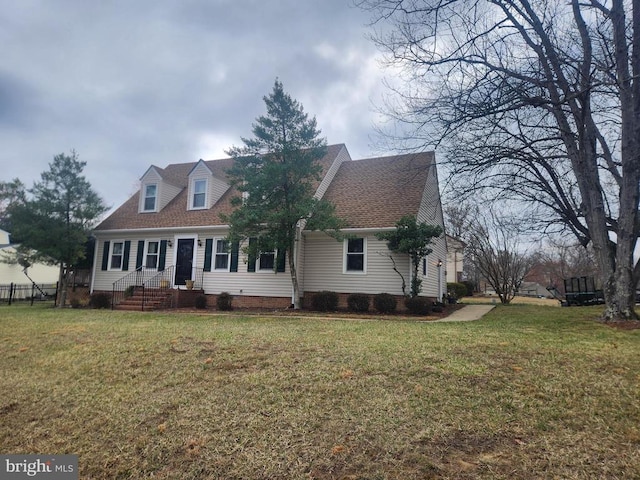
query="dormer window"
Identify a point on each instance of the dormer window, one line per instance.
(199, 195)
(150, 197)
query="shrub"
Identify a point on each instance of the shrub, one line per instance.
(385, 303)
(437, 307)
(224, 301)
(358, 302)
(129, 291)
(418, 305)
(471, 287)
(325, 301)
(201, 302)
(100, 300)
(456, 290)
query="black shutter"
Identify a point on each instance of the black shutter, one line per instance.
(282, 255)
(235, 250)
(140, 254)
(251, 267)
(163, 255)
(208, 248)
(125, 255)
(105, 255)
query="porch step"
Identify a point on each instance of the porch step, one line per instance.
(155, 299)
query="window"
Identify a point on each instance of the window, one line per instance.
(355, 255)
(151, 259)
(150, 195)
(222, 255)
(267, 261)
(199, 194)
(117, 252)
(424, 267)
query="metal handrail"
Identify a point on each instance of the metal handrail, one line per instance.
(157, 286)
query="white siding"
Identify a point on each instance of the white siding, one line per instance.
(104, 279)
(167, 193)
(217, 188)
(324, 267)
(430, 212)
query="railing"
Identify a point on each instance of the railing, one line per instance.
(152, 283)
(149, 284)
(33, 292)
(157, 286)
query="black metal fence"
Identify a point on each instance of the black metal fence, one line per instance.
(28, 292)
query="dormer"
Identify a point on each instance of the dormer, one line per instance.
(205, 189)
(155, 191)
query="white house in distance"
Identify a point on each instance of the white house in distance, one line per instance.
(14, 273)
(171, 229)
(455, 259)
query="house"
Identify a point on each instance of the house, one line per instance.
(171, 229)
(455, 259)
(40, 273)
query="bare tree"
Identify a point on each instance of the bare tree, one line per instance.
(497, 254)
(533, 100)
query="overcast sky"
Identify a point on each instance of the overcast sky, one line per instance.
(130, 83)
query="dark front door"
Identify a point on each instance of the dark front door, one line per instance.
(184, 260)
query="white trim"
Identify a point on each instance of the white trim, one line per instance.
(143, 197)
(112, 244)
(214, 254)
(145, 253)
(194, 256)
(345, 246)
(192, 193)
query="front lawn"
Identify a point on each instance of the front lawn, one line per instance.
(528, 392)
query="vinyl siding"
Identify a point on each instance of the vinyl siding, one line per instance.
(323, 262)
(430, 212)
(167, 193)
(104, 279)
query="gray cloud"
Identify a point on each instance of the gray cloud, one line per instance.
(129, 84)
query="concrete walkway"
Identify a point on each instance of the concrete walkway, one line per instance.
(467, 313)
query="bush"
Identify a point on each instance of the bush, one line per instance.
(129, 291)
(456, 290)
(385, 303)
(438, 307)
(471, 287)
(418, 305)
(358, 302)
(223, 302)
(100, 300)
(201, 302)
(325, 301)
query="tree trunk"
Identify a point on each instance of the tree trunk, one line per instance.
(62, 287)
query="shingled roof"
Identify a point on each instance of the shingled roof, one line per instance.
(377, 192)
(175, 213)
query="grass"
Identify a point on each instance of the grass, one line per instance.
(527, 392)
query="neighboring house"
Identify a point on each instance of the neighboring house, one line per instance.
(14, 273)
(455, 259)
(173, 224)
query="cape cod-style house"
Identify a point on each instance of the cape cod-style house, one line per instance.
(169, 235)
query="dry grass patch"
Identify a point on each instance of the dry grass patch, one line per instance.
(527, 392)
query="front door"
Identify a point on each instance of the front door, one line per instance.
(184, 260)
